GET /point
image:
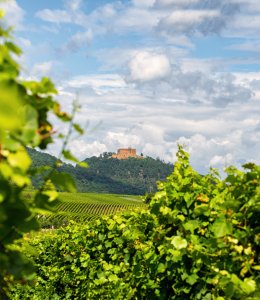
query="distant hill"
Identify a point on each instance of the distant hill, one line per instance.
(109, 175)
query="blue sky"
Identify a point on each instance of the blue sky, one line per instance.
(151, 73)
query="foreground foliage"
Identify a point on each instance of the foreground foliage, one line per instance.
(197, 240)
(25, 108)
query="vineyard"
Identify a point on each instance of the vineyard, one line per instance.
(198, 238)
(82, 207)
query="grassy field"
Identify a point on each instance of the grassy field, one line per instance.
(82, 207)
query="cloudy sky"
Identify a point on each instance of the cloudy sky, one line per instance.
(151, 73)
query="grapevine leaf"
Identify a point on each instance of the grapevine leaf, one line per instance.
(78, 128)
(248, 285)
(179, 243)
(221, 227)
(20, 159)
(68, 155)
(64, 181)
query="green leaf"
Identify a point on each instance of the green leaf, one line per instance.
(78, 128)
(249, 166)
(13, 48)
(113, 278)
(83, 164)
(43, 203)
(20, 159)
(20, 180)
(2, 13)
(221, 227)
(10, 105)
(192, 279)
(64, 181)
(191, 225)
(30, 126)
(53, 195)
(161, 268)
(179, 243)
(68, 155)
(248, 285)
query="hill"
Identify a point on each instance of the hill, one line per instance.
(109, 175)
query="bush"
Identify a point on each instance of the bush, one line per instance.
(197, 240)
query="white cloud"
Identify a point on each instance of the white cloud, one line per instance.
(87, 149)
(117, 59)
(161, 81)
(73, 5)
(117, 140)
(175, 2)
(210, 133)
(251, 6)
(220, 161)
(77, 41)
(24, 43)
(54, 16)
(155, 150)
(245, 25)
(42, 69)
(146, 66)
(137, 18)
(196, 17)
(251, 46)
(143, 3)
(206, 152)
(108, 11)
(188, 17)
(155, 91)
(99, 83)
(191, 21)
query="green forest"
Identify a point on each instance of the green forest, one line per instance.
(198, 237)
(108, 175)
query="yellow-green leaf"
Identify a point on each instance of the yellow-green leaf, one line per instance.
(179, 243)
(20, 159)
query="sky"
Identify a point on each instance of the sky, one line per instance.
(150, 74)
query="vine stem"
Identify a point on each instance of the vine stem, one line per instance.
(67, 138)
(64, 145)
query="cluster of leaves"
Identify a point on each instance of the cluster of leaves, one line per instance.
(24, 122)
(197, 240)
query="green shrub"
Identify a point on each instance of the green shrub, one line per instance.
(197, 240)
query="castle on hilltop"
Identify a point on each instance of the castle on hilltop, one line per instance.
(125, 153)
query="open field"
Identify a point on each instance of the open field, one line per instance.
(87, 206)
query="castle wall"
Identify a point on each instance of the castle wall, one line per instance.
(125, 153)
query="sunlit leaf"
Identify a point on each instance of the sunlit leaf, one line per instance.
(179, 243)
(248, 285)
(20, 159)
(10, 103)
(68, 155)
(221, 227)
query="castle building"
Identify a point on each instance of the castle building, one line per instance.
(125, 153)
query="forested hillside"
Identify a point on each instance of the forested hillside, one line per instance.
(109, 175)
